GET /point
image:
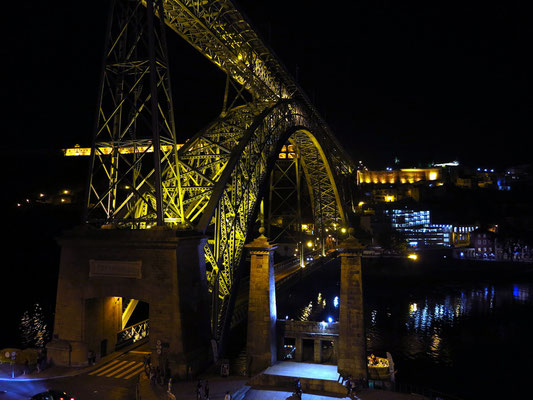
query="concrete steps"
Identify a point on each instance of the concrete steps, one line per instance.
(309, 385)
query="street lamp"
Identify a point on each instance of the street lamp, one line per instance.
(12, 356)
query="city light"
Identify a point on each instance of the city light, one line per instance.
(413, 256)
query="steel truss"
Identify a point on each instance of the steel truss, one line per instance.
(284, 198)
(214, 183)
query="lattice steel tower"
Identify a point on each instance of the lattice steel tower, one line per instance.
(134, 174)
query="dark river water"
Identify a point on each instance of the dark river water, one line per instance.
(470, 338)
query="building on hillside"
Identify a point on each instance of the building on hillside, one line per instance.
(401, 176)
(419, 232)
(461, 235)
(484, 243)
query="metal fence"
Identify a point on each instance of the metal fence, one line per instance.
(132, 334)
(425, 392)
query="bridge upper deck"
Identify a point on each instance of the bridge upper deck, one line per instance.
(219, 31)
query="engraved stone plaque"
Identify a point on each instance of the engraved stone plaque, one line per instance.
(115, 269)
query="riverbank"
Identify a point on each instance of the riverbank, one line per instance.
(438, 265)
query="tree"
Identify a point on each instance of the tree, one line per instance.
(33, 328)
(391, 239)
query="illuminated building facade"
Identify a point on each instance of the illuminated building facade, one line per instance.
(419, 232)
(461, 235)
(484, 243)
(401, 176)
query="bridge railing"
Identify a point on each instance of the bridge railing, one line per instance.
(240, 312)
(310, 267)
(293, 261)
(132, 334)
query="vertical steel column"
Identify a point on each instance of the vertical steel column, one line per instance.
(156, 143)
(88, 186)
(270, 191)
(322, 238)
(301, 245)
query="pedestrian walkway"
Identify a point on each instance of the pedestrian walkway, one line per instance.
(114, 368)
(369, 394)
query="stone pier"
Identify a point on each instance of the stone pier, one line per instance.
(99, 267)
(352, 344)
(261, 341)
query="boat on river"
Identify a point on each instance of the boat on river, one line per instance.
(381, 372)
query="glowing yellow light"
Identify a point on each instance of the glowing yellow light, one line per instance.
(66, 191)
(432, 176)
(62, 200)
(413, 256)
(343, 230)
(41, 195)
(361, 203)
(127, 149)
(304, 227)
(309, 244)
(239, 56)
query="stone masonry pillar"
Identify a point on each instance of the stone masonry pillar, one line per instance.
(298, 356)
(261, 338)
(352, 344)
(317, 351)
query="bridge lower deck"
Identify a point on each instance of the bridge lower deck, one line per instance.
(304, 370)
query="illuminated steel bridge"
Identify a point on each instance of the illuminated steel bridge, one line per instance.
(214, 183)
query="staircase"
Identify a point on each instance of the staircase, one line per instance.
(239, 364)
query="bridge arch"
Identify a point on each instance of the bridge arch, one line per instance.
(236, 189)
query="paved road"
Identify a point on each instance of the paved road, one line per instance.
(113, 380)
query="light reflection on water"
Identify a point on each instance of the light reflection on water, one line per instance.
(429, 319)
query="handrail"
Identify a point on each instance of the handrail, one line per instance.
(133, 333)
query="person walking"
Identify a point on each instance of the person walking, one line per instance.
(206, 390)
(227, 396)
(298, 385)
(152, 376)
(170, 395)
(349, 386)
(90, 357)
(199, 390)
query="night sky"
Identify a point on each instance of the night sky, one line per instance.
(420, 81)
